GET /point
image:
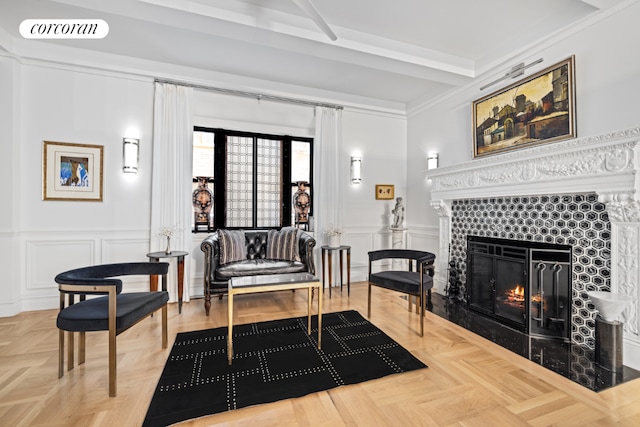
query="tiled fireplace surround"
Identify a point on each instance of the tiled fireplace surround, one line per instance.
(582, 192)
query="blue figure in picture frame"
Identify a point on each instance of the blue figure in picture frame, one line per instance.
(74, 171)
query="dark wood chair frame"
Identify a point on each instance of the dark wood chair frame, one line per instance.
(83, 286)
(424, 262)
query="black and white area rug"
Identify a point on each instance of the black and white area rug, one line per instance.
(273, 360)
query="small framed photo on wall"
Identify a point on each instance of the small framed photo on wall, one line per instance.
(384, 192)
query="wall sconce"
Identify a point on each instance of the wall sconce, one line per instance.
(356, 177)
(432, 161)
(130, 155)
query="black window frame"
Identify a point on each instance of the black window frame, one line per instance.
(220, 174)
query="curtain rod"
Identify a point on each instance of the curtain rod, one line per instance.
(257, 96)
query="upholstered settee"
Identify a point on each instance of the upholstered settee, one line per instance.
(236, 253)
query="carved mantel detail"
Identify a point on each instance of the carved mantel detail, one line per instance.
(444, 211)
(588, 164)
(624, 213)
(627, 273)
(441, 207)
(621, 207)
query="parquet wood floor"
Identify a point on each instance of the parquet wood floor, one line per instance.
(470, 381)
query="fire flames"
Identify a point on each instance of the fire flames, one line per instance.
(516, 294)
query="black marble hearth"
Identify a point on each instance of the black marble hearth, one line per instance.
(572, 361)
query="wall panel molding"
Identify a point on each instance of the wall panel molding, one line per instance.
(46, 258)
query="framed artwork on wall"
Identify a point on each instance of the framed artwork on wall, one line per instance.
(72, 171)
(384, 192)
(535, 110)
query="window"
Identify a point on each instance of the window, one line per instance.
(247, 180)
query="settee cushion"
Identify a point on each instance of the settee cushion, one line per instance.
(283, 245)
(252, 267)
(232, 246)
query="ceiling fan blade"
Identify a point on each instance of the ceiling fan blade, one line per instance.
(313, 13)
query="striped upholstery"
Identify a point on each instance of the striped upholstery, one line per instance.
(232, 246)
(283, 245)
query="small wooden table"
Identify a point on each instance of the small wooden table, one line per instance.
(268, 283)
(341, 249)
(155, 257)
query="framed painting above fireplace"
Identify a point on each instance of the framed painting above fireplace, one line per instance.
(537, 109)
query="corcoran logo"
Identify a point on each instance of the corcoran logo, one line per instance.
(64, 29)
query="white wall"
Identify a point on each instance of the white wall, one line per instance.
(8, 176)
(65, 105)
(607, 94)
(380, 139)
(78, 107)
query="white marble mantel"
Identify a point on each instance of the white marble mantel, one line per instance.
(605, 164)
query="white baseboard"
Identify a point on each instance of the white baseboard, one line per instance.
(631, 354)
(8, 309)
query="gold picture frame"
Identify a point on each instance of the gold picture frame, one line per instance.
(72, 172)
(384, 192)
(535, 110)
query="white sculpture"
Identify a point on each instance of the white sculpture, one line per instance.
(398, 214)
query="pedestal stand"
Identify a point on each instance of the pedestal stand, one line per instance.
(609, 344)
(398, 242)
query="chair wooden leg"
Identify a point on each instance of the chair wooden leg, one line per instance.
(165, 338)
(207, 304)
(60, 353)
(70, 351)
(422, 313)
(82, 345)
(112, 344)
(112, 363)
(369, 302)
(61, 340)
(70, 342)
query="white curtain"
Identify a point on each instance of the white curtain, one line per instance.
(172, 177)
(328, 179)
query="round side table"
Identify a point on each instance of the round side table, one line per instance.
(328, 250)
(155, 257)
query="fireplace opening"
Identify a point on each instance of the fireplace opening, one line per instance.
(525, 285)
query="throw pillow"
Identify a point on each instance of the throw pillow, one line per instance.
(296, 250)
(283, 245)
(296, 256)
(232, 246)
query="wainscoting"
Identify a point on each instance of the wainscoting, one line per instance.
(40, 256)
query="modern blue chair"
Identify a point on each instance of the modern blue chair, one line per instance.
(416, 282)
(111, 310)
